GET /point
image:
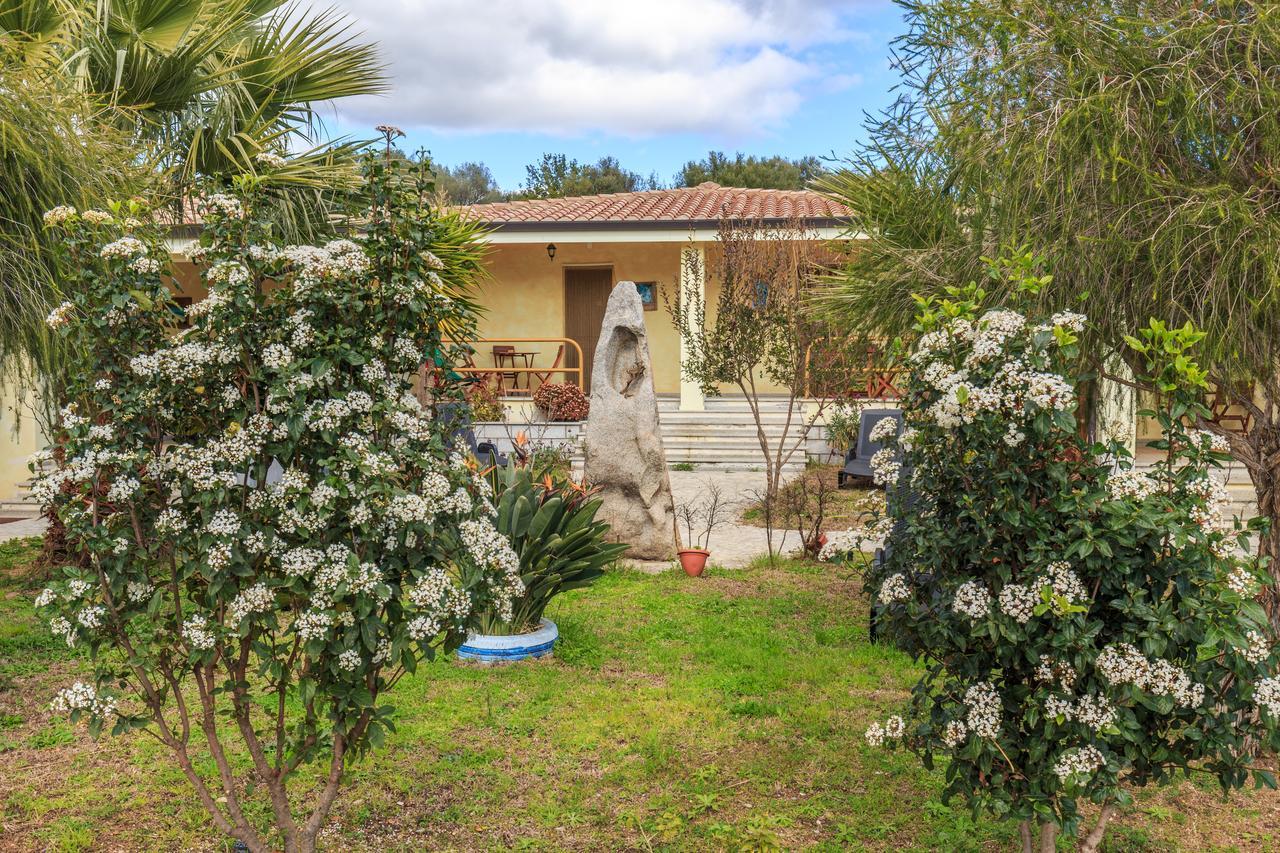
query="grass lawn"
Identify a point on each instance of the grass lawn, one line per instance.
(720, 713)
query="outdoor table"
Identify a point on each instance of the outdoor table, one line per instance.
(508, 358)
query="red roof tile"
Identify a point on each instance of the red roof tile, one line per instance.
(704, 203)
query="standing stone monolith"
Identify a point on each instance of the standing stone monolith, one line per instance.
(624, 455)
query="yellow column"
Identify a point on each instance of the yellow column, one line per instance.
(693, 267)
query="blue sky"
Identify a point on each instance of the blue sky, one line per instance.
(654, 83)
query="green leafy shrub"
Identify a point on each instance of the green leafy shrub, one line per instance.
(1087, 628)
(553, 528)
(277, 529)
(485, 402)
(561, 401)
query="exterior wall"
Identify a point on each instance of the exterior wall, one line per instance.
(524, 296)
(20, 436)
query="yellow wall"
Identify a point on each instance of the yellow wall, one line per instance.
(524, 297)
(16, 446)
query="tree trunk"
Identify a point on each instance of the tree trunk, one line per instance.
(1094, 838)
(1048, 837)
(1024, 832)
(1263, 465)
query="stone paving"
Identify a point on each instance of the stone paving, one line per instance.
(733, 545)
(25, 527)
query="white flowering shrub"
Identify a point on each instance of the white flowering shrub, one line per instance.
(277, 529)
(1085, 631)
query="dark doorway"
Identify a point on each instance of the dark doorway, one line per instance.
(586, 295)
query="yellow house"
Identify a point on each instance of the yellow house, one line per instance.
(554, 261)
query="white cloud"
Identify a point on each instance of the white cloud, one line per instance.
(628, 67)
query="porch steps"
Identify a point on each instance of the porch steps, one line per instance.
(723, 437)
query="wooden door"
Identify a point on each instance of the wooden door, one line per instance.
(586, 295)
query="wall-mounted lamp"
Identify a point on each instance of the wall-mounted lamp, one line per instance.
(551, 251)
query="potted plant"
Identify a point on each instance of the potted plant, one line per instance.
(699, 520)
(561, 545)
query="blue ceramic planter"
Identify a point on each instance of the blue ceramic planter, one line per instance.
(491, 648)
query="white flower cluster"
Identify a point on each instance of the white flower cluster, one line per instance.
(1242, 582)
(1266, 694)
(1018, 601)
(893, 729)
(270, 159)
(349, 660)
(256, 599)
(1065, 582)
(185, 361)
(277, 357)
(440, 601)
(232, 273)
(138, 591)
(1079, 763)
(884, 430)
(1122, 663)
(895, 588)
(226, 206)
(493, 552)
(885, 466)
(1056, 672)
(955, 733)
(59, 316)
(1094, 711)
(972, 599)
(841, 543)
(984, 707)
(83, 697)
(125, 247)
(1131, 483)
(312, 624)
(1258, 648)
(123, 489)
(197, 633)
(58, 215)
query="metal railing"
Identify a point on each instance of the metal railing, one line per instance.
(860, 375)
(501, 373)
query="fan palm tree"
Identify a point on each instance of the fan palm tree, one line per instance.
(197, 88)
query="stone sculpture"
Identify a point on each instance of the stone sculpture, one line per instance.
(624, 454)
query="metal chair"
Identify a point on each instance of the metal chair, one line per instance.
(502, 355)
(543, 377)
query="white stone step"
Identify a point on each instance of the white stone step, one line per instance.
(19, 509)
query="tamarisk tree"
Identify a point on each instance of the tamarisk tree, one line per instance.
(277, 530)
(1132, 143)
(1086, 630)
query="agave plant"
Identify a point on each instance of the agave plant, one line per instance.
(552, 526)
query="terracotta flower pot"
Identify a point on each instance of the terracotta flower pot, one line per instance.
(693, 561)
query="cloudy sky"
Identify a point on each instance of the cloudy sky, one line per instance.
(652, 82)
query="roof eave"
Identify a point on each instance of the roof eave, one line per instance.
(567, 225)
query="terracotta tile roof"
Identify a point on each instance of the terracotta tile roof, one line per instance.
(705, 203)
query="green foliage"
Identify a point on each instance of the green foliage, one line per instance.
(1086, 630)
(45, 160)
(553, 528)
(468, 183)
(261, 496)
(1130, 142)
(743, 170)
(556, 176)
(95, 97)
